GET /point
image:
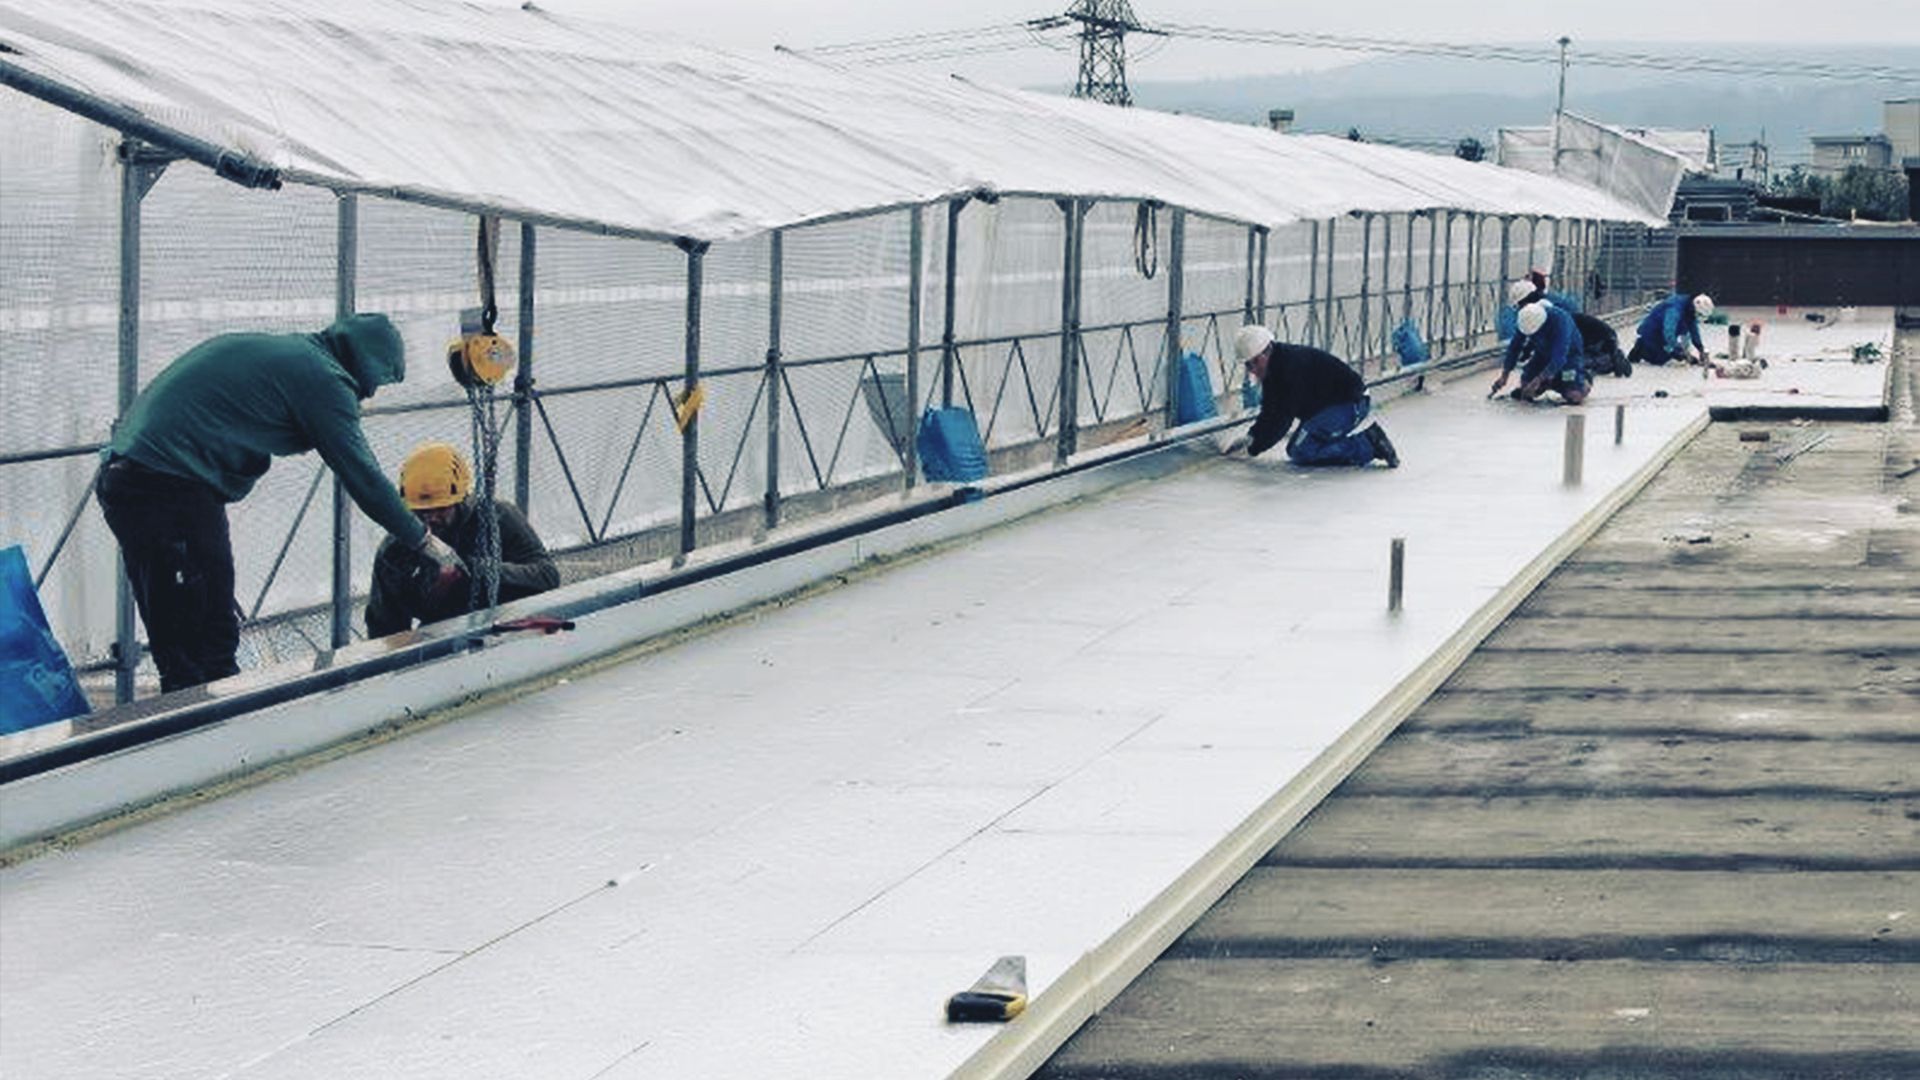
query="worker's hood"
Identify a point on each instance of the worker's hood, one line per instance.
(369, 348)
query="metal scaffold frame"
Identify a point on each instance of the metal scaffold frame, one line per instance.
(1079, 397)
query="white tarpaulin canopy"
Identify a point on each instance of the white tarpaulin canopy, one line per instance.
(1640, 167)
(606, 126)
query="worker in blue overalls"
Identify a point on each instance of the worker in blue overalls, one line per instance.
(1660, 335)
(1555, 359)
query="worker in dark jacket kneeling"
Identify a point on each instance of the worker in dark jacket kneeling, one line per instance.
(1318, 389)
(198, 438)
(436, 483)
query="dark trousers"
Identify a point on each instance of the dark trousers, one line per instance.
(173, 538)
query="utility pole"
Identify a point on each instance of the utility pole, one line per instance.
(1104, 25)
(1560, 103)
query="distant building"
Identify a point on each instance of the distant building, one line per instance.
(1835, 154)
(1707, 198)
(1902, 127)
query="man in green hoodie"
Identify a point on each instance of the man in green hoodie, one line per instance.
(200, 435)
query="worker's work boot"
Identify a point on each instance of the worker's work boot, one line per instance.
(1382, 446)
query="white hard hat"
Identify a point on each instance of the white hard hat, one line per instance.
(1520, 290)
(1251, 340)
(1703, 305)
(1533, 317)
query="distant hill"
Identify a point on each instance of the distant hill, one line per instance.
(1437, 101)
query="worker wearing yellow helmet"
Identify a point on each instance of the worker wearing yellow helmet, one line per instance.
(437, 484)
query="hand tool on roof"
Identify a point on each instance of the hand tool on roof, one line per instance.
(546, 624)
(1000, 994)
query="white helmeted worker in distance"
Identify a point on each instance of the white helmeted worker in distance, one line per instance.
(1554, 358)
(1317, 389)
(1671, 331)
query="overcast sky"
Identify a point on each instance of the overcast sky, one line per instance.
(751, 26)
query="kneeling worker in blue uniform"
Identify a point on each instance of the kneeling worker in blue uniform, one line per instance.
(1671, 330)
(1555, 360)
(436, 483)
(1318, 389)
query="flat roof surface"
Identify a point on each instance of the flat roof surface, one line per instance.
(775, 848)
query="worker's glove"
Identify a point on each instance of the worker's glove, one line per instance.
(447, 567)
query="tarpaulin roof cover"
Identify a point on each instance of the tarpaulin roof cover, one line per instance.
(1629, 164)
(608, 126)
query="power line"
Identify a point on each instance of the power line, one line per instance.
(1106, 34)
(1706, 65)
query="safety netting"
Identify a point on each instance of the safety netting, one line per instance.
(834, 204)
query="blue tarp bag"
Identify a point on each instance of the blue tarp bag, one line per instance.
(1196, 392)
(950, 448)
(36, 681)
(1407, 342)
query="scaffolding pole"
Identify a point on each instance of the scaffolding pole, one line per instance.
(916, 281)
(523, 379)
(345, 274)
(770, 502)
(690, 437)
(1176, 272)
(948, 355)
(140, 169)
(1073, 235)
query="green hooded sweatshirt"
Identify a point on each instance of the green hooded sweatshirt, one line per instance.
(221, 412)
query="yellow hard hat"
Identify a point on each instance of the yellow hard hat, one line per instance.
(435, 475)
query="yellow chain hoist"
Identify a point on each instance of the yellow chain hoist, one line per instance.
(480, 357)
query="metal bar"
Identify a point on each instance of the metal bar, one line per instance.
(1506, 249)
(60, 543)
(690, 438)
(242, 169)
(345, 271)
(1252, 244)
(948, 356)
(1446, 283)
(1533, 243)
(633, 451)
(1574, 450)
(1406, 276)
(1262, 299)
(1386, 284)
(1326, 327)
(1436, 341)
(523, 378)
(293, 531)
(566, 471)
(1066, 438)
(1474, 223)
(1553, 238)
(916, 282)
(776, 252)
(1312, 329)
(1396, 573)
(26, 457)
(1176, 296)
(133, 186)
(1366, 288)
(739, 452)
